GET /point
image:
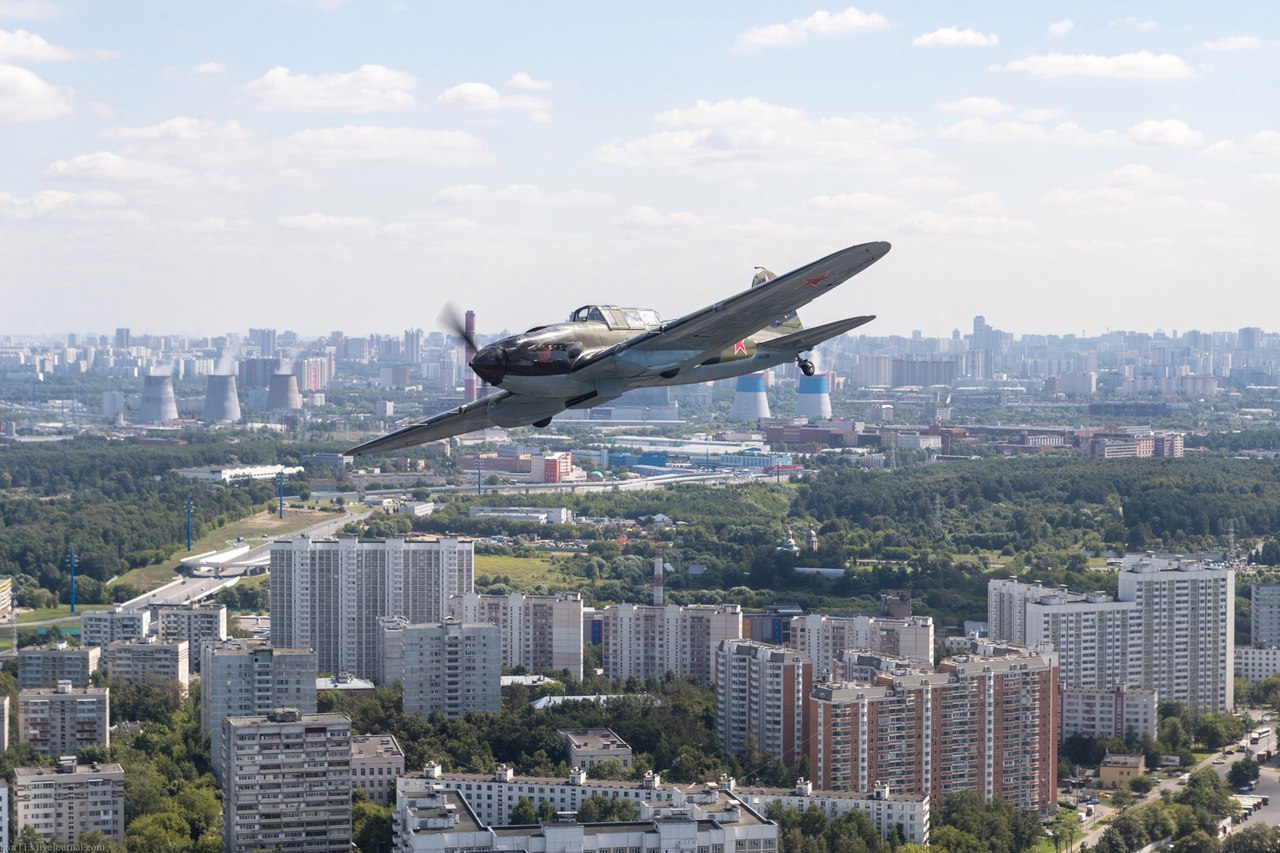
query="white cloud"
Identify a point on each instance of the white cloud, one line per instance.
(1167, 132)
(485, 98)
(854, 201)
(744, 136)
(988, 203)
(324, 222)
(1263, 143)
(368, 89)
(1131, 66)
(1061, 28)
(24, 97)
(1232, 43)
(928, 184)
(389, 145)
(1141, 176)
(111, 167)
(57, 204)
(28, 48)
(102, 110)
(1269, 178)
(1132, 23)
(522, 80)
(932, 222)
(182, 128)
(976, 106)
(953, 37)
(1040, 115)
(643, 216)
(28, 10)
(209, 69)
(525, 194)
(820, 23)
(1012, 132)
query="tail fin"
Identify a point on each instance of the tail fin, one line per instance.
(787, 323)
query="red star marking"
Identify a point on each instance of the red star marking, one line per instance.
(740, 347)
(814, 282)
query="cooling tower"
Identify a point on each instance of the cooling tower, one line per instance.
(749, 400)
(221, 402)
(283, 394)
(813, 397)
(158, 404)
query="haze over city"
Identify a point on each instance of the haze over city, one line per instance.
(321, 165)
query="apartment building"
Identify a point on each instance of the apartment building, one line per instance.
(648, 641)
(588, 747)
(1264, 615)
(149, 661)
(539, 632)
(1114, 713)
(493, 797)
(244, 678)
(196, 624)
(103, 627)
(452, 667)
(63, 720)
(821, 637)
(376, 762)
(328, 594)
(977, 723)
(286, 782)
(62, 803)
(1184, 634)
(45, 666)
(761, 694)
(1170, 629)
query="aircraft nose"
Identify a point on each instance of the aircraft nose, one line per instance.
(490, 364)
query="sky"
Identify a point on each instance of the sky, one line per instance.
(318, 165)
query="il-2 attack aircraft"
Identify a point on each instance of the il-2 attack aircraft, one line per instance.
(604, 351)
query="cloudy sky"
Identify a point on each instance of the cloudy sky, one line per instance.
(204, 167)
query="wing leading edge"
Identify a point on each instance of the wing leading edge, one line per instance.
(465, 418)
(721, 325)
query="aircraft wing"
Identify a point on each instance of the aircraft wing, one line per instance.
(807, 339)
(723, 324)
(465, 418)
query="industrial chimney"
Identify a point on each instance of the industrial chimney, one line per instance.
(221, 402)
(282, 394)
(158, 403)
(813, 397)
(750, 403)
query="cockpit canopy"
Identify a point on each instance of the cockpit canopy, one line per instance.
(633, 319)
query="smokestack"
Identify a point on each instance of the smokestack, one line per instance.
(158, 403)
(470, 386)
(750, 403)
(221, 402)
(659, 576)
(282, 395)
(813, 397)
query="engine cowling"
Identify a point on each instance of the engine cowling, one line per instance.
(514, 412)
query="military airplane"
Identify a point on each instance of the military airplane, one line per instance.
(604, 351)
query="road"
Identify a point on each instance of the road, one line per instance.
(1268, 785)
(185, 590)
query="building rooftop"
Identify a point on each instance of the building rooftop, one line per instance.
(375, 746)
(593, 739)
(66, 768)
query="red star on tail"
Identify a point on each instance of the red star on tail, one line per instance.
(740, 347)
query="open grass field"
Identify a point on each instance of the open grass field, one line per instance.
(59, 612)
(255, 530)
(526, 571)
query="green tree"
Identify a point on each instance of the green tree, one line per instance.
(1258, 838)
(1242, 772)
(1063, 830)
(161, 832)
(372, 827)
(524, 813)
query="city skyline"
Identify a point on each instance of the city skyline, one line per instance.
(332, 164)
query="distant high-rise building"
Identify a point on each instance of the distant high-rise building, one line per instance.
(1264, 615)
(303, 802)
(761, 692)
(412, 347)
(328, 594)
(451, 667)
(264, 340)
(62, 803)
(644, 641)
(198, 624)
(45, 666)
(248, 677)
(123, 339)
(63, 720)
(102, 627)
(142, 664)
(981, 723)
(539, 632)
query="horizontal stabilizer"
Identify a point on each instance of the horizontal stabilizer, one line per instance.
(809, 338)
